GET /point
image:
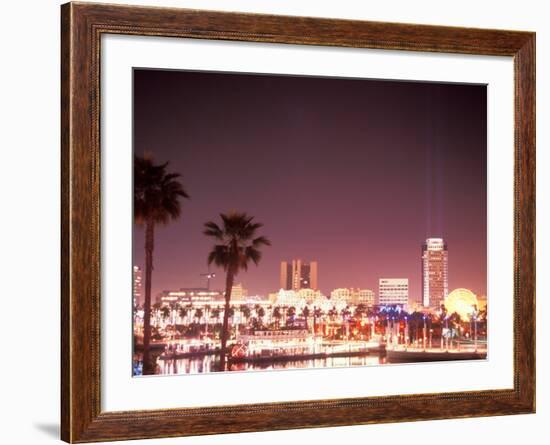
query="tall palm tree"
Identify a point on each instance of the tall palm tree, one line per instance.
(236, 246)
(157, 196)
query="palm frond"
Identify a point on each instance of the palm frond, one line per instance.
(261, 241)
(237, 232)
(251, 253)
(213, 230)
(220, 256)
(157, 193)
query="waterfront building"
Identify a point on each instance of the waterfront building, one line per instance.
(297, 274)
(342, 294)
(238, 292)
(137, 285)
(289, 298)
(435, 285)
(195, 296)
(365, 296)
(353, 296)
(309, 295)
(393, 291)
(272, 297)
(326, 304)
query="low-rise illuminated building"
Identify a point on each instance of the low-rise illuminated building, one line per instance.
(353, 296)
(289, 298)
(137, 285)
(238, 292)
(393, 291)
(195, 296)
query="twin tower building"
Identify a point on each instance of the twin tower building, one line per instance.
(298, 274)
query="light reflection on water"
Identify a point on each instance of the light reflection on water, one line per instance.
(206, 364)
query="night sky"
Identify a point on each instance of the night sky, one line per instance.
(353, 173)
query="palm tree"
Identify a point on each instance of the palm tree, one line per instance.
(291, 312)
(165, 313)
(156, 310)
(245, 311)
(305, 314)
(236, 245)
(346, 312)
(199, 313)
(216, 314)
(360, 311)
(277, 315)
(317, 313)
(157, 195)
(182, 312)
(260, 312)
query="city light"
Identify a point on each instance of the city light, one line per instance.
(299, 324)
(462, 301)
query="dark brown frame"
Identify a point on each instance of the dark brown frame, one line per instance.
(82, 25)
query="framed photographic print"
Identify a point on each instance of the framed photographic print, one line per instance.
(277, 222)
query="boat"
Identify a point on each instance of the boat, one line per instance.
(275, 343)
(291, 345)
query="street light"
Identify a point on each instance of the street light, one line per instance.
(474, 315)
(446, 333)
(424, 333)
(406, 333)
(208, 276)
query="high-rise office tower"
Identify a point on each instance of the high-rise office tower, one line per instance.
(298, 275)
(435, 284)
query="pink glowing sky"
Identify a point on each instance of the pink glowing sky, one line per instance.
(355, 174)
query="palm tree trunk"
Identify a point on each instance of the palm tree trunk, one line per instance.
(149, 246)
(225, 327)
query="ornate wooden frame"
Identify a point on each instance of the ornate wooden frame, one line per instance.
(82, 25)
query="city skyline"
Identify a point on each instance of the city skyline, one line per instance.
(393, 187)
(295, 265)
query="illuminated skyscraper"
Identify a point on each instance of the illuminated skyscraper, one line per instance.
(435, 284)
(298, 275)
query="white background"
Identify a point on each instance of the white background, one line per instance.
(29, 187)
